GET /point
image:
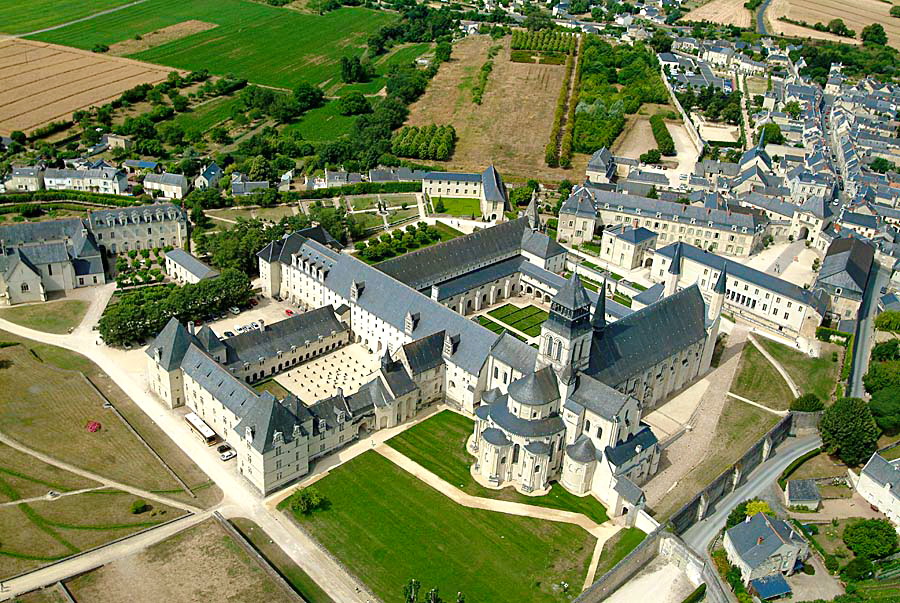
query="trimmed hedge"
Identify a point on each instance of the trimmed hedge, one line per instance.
(98, 198)
(697, 595)
(789, 470)
(825, 334)
(360, 188)
(661, 133)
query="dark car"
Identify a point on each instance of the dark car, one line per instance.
(223, 448)
(228, 334)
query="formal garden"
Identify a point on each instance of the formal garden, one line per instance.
(528, 320)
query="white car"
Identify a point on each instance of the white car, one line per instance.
(228, 455)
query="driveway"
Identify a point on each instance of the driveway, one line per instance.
(820, 586)
(840, 508)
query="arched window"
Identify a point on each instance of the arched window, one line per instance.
(549, 346)
(515, 458)
(24, 287)
(599, 431)
(587, 425)
(496, 372)
(558, 349)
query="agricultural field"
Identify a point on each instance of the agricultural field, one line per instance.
(516, 93)
(59, 81)
(856, 15)
(726, 12)
(197, 562)
(264, 44)
(439, 543)
(323, 123)
(47, 13)
(528, 319)
(206, 116)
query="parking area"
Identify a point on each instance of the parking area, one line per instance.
(348, 368)
(267, 310)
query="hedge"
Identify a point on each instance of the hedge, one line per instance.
(661, 134)
(848, 359)
(789, 470)
(697, 595)
(825, 334)
(360, 188)
(98, 198)
(551, 152)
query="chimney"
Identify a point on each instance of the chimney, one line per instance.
(759, 540)
(190, 327)
(262, 325)
(837, 228)
(157, 354)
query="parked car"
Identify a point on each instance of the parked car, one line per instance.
(254, 325)
(289, 312)
(253, 302)
(228, 334)
(227, 456)
(234, 310)
(223, 448)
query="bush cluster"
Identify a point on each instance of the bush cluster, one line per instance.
(427, 142)
(545, 41)
(662, 136)
(398, 242)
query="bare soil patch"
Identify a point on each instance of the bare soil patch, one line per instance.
(41, 83)
(160, 37)
(856, 15)
(726, 12)
(512, 125)
(636, 139)
(202, 563)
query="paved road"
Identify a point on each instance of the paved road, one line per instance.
(761, 17)
(865, 326)
(701, 534)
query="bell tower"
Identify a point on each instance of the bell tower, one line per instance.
(566, 334)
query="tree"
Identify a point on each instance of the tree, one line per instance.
(885, 407)
(661, 41)
(138, 507)
(882, 165)
(520, 196)
(859, 568)
(411, 591)
(871, 538)
(807, 403)
(886, 351)
(772, 132)
(849, 430)
(895, 10)
(792, 108)
(889, 320)
(308, 96)
(18, 136)
(758, 506)
(354, 104)
(307, 500)
(439, 206)
(881, 375)
(651, 156)
(737, 515)
(442, 52)
(874, 34)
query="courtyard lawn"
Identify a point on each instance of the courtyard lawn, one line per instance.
(614, 550)
(273, 387)
(388, 527)
(496, 327)
(812, 375)
(458, 206)
(528, 319)
(759, 381)
(447, 232)
(439, 445)
(54, 317)
(264, 44)
(740, 426)
(284, 565)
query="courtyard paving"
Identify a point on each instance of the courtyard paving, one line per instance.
(348, 368)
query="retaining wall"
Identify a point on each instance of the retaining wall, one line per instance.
(692, 131)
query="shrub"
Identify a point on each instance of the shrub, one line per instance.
(849, 430)
(809, 569)
(807, 403)
(138, 507)
(696, 596)
(661, 134)
(651, 156)
(831, 563)
(871, 538)
(789, 470)
(307, 500)
(858, 569)
(888, 320)
(885, 407)
(882, 352)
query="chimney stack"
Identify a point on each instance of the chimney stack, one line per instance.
(190, 327)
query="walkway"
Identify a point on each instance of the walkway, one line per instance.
(780, 413)
(94, 477)
(81, 20)
(793, 386)
(47, 497)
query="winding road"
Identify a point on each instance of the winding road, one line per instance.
(761, 18)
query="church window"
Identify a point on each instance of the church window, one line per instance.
(558, 349)
(496, 372)
(515, 453)
(537, 468)
(24, 287)
(599, 431)
(587, 425)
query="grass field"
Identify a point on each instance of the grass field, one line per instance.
(812, 375)
(264, 44)
(208, 115)
(53, 317)
(389, 527)
(528, 319)
(759, 381)
(856, 16)
(614, 550)
(47, 13)
(51, 594)
(740, 426)
(284, 565)
(820, 465)
(439, 445)
(47, 409)
(323, 124)
(196, 563)
(458, 206)
(36, 533)
(496, 327)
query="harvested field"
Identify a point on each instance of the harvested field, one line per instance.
(160, 37)
(202, 563)
(511, 126)
(41, 83)
(856, 15)
(726, 12)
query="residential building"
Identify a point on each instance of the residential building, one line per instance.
(208, 177)
(802, 493)
(146, 227)
(844, 276)
(25, 179)
(185, 268)
(487, 187)
(101, 180)
(879, 484)
(628, 247)
(762, 546)
(168, 186)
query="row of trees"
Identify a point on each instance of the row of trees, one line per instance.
(878, 60)
(483, 75)
(354, 69)
(427, 142)
(545, 41)
(551, 151)
(661, 134)
(141, 314)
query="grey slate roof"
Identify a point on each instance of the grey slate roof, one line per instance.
(651, 295)
(233, 393)
(759, 538)
(883, 473)
(817, 206)
(500, 415)
(634, 235)
(535, 388)
(847, 265)
(512, 352)
(629, 490)
(572, 295)
(167, 179)
(191, 264)
(266, 417)
(802, 490)
(621, 454)
(596, 397)
(583, 450)
(495, 437)
(173, 342)
(425, 353)
(580, 203)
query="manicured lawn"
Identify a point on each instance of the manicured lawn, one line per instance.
(759, 381)
(284, 565)
(47, 13)
(458, 206)
(388, 527)
(439, 445)
(264, 44)
(273, 387)
(528, 319)
(53, 317)
(812, 375)
(33, 534)
(820, 465)
(614, 550)
(447, 232)
(740, 426)
(496, 327)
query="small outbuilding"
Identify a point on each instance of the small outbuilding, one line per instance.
(803, 493)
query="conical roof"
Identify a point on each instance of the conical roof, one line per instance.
(598, 320)
(675, 266)
(721, 283)
(572, 295)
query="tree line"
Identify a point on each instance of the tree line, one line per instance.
(551, 151)
(715, 104)
(661, 134)
(427, 142)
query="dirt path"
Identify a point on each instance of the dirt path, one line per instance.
(794, 389)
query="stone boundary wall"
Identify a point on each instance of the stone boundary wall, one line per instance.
(692, 131)
(805, 422)
(631, 564)
(725, 483)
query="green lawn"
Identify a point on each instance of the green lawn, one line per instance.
(53, 317)
(528, 319)
(439, 445)
(615, 549)
(812, 375)
(759, 381)
(47, 13)
(323, 124)
(207, 115)
(264, 44)
(284, 565)
(447, 232)
(458, 206)
(273, 387)
(388, 527)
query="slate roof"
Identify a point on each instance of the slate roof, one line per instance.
(425, 353)
(883, 473)
(622, 453)
(847, 265)
(758, 538)
(535, 388)
(802, 490)
(596, 397)
(651, 295)
(580, 203)
(500, 415)
(771, 586)
(158, 212)
(628, 490)
(266, 417)
(512, 352)
(492, 185)
(632, 344)
(572, 295)
(583, 450)
(233, 393)
(167, 179)
(22, 233)
(634, 235)
(495, 437)
(817, 206)
(452, 176)
(191, 264)
(749, 275)
(173, 342)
